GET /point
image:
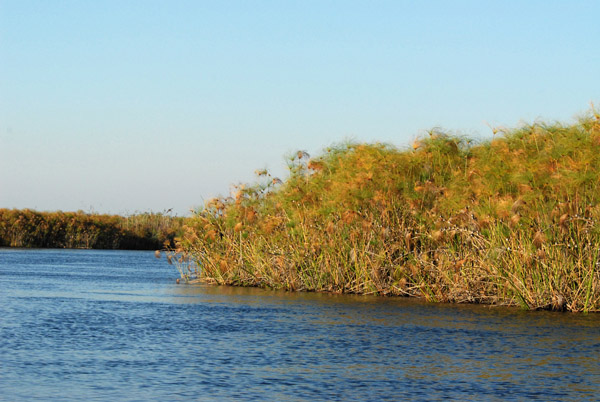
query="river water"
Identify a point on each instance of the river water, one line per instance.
(80, 325)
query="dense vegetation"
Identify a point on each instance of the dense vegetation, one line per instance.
(27, 228)
(510, 221)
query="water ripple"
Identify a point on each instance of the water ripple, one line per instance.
(99, 325)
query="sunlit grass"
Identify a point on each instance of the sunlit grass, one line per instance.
(511, 221)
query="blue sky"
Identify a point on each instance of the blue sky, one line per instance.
(125, 106)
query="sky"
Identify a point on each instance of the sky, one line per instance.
(143, 106)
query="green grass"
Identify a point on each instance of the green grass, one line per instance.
(511, 221)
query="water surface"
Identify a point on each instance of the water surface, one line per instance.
(81, 325)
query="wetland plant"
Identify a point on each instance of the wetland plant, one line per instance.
(510, 221)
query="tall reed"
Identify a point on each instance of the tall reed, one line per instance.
(511, 221)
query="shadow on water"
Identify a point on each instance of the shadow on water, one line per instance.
(78, 325)
(499, 352)
(394, 309)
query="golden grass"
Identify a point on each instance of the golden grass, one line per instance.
(512, 221)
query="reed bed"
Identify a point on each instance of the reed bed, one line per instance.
(510, 221)
(142, 231)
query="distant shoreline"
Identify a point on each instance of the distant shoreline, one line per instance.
(25, 228)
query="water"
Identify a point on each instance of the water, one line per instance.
(81, 325)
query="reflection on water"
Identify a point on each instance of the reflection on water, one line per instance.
(81, 325)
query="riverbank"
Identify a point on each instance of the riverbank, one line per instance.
(32, 229)
(510, 221)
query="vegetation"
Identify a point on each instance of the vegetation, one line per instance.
(511, 221)
(27, 228)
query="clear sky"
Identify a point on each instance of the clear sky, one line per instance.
(125, 106)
